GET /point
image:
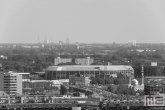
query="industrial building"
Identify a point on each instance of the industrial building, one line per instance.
(11, 83)
(63, 72)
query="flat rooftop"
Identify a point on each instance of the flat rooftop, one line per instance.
(89, 68)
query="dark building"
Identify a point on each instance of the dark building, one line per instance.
(154, 89)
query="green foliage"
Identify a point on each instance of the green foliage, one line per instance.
(112, 88)
(32, 60)
(102, 81)
(27, 63)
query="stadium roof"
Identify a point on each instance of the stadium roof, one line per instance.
(89, 68)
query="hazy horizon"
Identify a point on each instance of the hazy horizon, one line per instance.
(83, 21)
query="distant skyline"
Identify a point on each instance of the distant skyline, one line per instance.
(83, 21)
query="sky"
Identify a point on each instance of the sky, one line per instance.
(83, 21)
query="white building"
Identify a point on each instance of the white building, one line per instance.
(11, 83)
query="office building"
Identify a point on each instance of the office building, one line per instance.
(11, 83)
(59, 60)
(84, 61)
(78, 61)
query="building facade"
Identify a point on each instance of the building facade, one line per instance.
(154, 85)
(84, 61)
(11, 83)
(78, 61)
(63, 72)
(59, 60)
(79, 80)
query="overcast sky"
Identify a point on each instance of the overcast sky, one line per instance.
(84, 21)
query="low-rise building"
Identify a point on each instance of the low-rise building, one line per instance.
(84, 61)
(79, 80)
(62, 60)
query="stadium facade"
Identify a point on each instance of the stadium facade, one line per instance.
(63, 72)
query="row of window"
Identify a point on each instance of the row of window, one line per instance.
(10, 84)
(10, 87)
(10, 79)
(7, 90)
(150, 90)
(10, 76)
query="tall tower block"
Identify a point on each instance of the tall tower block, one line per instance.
(67, 41)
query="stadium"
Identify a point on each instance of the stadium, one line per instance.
(63, 72)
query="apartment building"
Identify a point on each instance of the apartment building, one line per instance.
(11, 83)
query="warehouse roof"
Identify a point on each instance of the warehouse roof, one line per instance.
(89, 68)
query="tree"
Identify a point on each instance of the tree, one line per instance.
(100, 80)
(63, 90)
(112, 88)
(116, 81)
(108, 80)
(94, 81)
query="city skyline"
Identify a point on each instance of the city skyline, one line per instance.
(87, 21)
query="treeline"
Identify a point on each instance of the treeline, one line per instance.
(32, 60)
(108, 80)
(27, 63)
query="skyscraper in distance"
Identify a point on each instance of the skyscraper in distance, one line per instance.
(67, 41)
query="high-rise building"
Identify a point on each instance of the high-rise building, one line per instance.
(11, 83)
(132, 43)
(77, 45)
(46, 41)
(67, 41)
